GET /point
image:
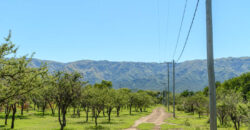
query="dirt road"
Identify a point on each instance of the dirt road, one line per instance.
(157, 117)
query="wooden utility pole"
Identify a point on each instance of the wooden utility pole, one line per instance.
(168, 86)
(173, 89)
(210, 66)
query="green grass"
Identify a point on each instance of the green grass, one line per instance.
(190, 121)
(34, 120)
(146, 126)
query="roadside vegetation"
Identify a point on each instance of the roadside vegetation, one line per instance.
(33, 98)
(233, 106)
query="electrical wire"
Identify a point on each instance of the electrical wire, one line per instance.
(179, 32)
(167, 31)
(189, 31)
(158, 29)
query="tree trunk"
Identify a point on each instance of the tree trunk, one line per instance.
(62, 122)
(78, 112)
(130, 107)
(93, 113)
(64, 118)
(13, 115)
(238, 125)
(95, 120)
(52, 109)
(7, 112)
(22, 107)
(27, 109)
(87, 113)
(103, 112)
(97, 113)
(74, 111)
(43, 110)
(235, 126)
(37, 107)
(118, 111)
(109, 112)
(34, 106)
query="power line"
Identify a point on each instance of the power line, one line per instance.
(189, 31)
(167, 30)
(179, 33)
(158, 29)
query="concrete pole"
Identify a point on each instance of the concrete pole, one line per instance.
(168, 86)
(210, 66)
(173, 89)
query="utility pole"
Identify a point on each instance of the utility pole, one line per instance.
(163, 97)
(210, 66)
(164, 94)
(173, 89)
(168, 86)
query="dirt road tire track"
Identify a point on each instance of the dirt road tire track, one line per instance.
(157, 117)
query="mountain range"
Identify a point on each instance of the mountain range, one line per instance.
(191, 75)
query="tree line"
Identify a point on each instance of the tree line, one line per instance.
(233, 102)
(26, 87)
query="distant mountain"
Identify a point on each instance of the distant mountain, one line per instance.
(190, 75)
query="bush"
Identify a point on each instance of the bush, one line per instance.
(187, 123)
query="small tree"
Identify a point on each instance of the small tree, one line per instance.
(86, 100)
(110, 102)
(121, 99)
(97, 101)
(131, 101)
(68, 89)
(222, 112)
(200, 103)
(236, 108)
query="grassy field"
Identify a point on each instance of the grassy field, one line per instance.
(190, 121)
(34, 120)
(146, 126)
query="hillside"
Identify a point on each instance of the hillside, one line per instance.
(190, 75)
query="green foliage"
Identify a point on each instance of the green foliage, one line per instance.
(18, 79)
(239, 84)
(232, 101)
(187, 123)
(187, 93)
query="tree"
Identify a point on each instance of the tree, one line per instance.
(143, 100)
(237, 109)
(110, 102)
(68, 89)
(15, 72)
(86, 100)
(222, 112)
(97, 101)
(121, 99)
(187, 93)
(200, 103)
(131, 100)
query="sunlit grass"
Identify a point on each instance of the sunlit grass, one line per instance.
(146, 126)
(189, 121)
(34, 120)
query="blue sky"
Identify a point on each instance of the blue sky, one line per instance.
(123, 30)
